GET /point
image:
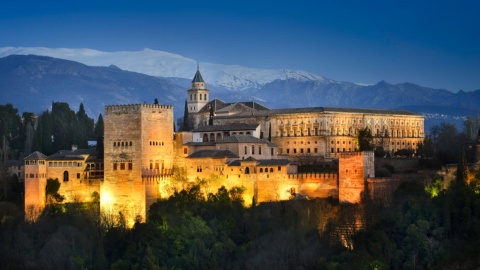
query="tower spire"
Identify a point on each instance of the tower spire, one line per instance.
(198, 66)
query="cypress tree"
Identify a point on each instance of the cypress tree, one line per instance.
(186, 122)
(210, 119)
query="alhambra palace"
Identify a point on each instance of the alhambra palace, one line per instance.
(238, 144)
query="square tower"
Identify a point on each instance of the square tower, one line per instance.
(138, 143)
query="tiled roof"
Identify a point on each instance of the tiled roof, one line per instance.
(200, 143)
(219, 106)
(213, 154)
(244, 139)
(198, 77)
(262, 162)
(231, 127)
(71, 155)
(35, 156)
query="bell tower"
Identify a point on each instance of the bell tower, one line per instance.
(197, 93)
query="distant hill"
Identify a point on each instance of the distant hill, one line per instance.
(32, 82)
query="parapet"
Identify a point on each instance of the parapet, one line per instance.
(134, 108)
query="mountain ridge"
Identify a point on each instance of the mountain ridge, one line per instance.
(32, 82)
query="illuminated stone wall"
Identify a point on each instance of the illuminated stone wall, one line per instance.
(351, 181)
(138, 141)
(333, 132)
(35, 183)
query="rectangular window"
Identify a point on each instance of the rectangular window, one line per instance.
(253, 149)
(288, 151)
(199, 168)
(78, 175)
(185, 150)
(114, 166)
(122, 166)
(308, 150)
(294, 150)
(130, 166)
(259, 150)
(315, 150)
(301, 150)
(271, 151)
(279, 168)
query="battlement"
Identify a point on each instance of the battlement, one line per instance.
(313, 176)
(134, 108)
(349, 154)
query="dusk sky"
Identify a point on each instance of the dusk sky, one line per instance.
(430, 43)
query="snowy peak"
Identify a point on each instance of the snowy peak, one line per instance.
(164, 64)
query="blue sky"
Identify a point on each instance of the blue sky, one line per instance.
(431, 43)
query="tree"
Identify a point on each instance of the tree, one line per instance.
(364, 140)
(99, 127)
(210, 118)
(186, 120)
(51, 191)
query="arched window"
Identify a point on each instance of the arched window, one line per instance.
(261, 170)
(205, 137)
(114, 144)
(212, 137)
(205, 96)
(65, 176)
(247, 170)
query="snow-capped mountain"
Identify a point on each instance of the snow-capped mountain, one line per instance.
(164, 64)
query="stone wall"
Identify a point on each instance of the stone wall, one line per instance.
(351, 177)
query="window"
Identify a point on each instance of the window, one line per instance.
(253, 149)
(288, 151)
(246, 150)
(315, 150)
(199, 168)
(130, 166)
(78, 175)
(259, 150)
(308, 150)
(271, 151)
(279, 168)
(294, 150)
(65, 176)
(114, 166)
(122, 166)
(185, 150)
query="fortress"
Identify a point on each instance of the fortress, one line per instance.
(240, 144)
